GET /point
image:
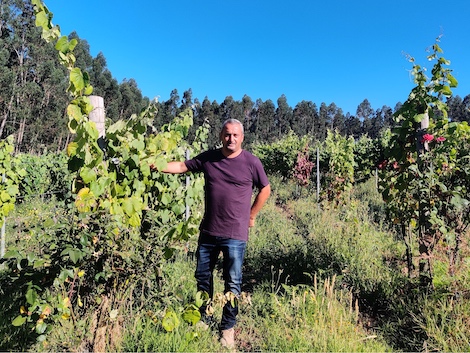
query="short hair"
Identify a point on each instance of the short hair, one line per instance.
(233, 121)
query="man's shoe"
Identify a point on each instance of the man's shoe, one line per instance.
(227, 338)
(202, 325)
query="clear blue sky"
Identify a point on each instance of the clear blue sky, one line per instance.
(340, 51)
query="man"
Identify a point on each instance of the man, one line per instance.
(230, 174)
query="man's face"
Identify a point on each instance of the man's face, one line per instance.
(232, 138)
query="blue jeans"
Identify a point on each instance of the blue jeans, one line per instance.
(233, 251)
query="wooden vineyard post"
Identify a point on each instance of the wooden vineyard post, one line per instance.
(425, 239)
(2, 244)
(97, 115)
(318, 175)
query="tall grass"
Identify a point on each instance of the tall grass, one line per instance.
(300, 239)
(316, 318)
(278, 318)
(446, 328)
(317, 281)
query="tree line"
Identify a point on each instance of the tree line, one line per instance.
(33, 97)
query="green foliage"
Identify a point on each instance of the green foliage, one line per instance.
(366, 155)
(45, 176)
(425, 176)
(28, 261)
(96, 255)
(340, 176)
(122, 183)
(10, 175)
(291, 248)
(279, 157)
(371, 199)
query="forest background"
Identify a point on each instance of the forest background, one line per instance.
(33, 96)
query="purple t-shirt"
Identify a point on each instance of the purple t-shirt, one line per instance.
(228, 189)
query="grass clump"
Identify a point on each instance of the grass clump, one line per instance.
(299, 318)
(316, 318)
(314, 280)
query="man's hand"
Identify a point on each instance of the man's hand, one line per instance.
(174, 168)
(171, 168)
(260, 200)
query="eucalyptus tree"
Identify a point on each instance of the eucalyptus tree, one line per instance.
(106, 86)
(208, 111)
(353, 126)
(338, 121)
(334, 119)
(7, 72)
(365, 114)
(466, 104)
(283, 116)
(248, 109)
(32, 95)
(168, 109)
(215, 127)
(459, 109)
(132, 101)
(383, 119)
(304, 116)
(322, 122)
(265, 124)
(231, 109)
(187, 100)
(84, 59)
(204, 112)
(172, 104)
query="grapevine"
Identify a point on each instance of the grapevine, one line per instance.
(10, 177)
(425, 173)
(303, 167)
(95, 255)
(340, 177)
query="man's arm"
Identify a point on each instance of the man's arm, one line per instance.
(260, 200)
(174, 168)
